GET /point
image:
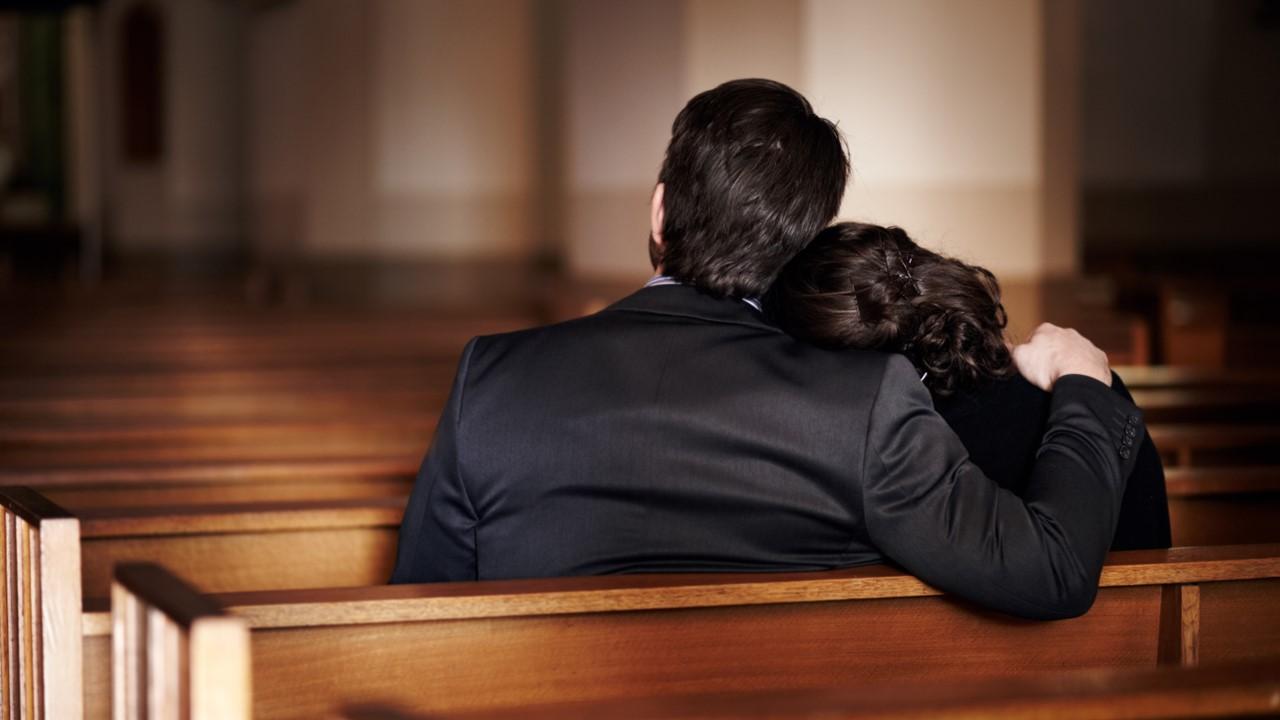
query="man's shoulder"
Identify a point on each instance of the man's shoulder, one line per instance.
(563, 331)
(619, 326)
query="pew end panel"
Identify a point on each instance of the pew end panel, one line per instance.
(40, 638)
(175, 653)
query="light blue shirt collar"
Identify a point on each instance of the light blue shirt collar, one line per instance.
(657, 280)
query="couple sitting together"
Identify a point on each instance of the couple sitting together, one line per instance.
(787, 397)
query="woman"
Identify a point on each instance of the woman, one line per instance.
(872, 287)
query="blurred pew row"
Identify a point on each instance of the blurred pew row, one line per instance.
(265, 458)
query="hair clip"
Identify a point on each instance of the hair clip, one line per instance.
(906, 274)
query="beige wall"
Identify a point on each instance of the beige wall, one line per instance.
(384, 129)
(623, 87)
(83, 139)
(453, 127)
(944, 103)
(729, 39)
(191, 200)
(940, 103)
(630, 68)
(308, 116)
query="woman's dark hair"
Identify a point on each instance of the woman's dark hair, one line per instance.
(751, 175)
(872, 287)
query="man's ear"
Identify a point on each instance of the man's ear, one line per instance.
(657, 213)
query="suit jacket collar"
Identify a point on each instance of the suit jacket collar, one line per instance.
(688, 301)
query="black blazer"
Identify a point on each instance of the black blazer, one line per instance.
(1001, 424)
(674, 431)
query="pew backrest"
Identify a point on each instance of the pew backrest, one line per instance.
(1224, 505)
(593, 638)
(1187, 444)
(226, 481)
(441, 647)
(1103, 694)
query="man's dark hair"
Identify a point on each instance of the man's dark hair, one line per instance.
(751, 176)
(867, 286)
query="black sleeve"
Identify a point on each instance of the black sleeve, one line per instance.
(933, 512)
(1144, 511)
(437, 535)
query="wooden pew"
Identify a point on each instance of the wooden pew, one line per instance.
(1175, 377)
(26, 449)
(231, 547)
(1251, 689)
(163, 406)
(40, 630)
(1191, 444)
(1224, 505)
(188, 408)
(474, 646)
(175, 653)
(179, 382)
(1231, 405)
(228, 481)
(271, 345)
(183, 542)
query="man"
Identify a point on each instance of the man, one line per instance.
(677, 430)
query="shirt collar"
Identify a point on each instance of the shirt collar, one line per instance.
(657, 280)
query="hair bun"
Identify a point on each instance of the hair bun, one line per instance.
(872, 287)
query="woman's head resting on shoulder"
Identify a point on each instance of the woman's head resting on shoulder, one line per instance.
(872, 287)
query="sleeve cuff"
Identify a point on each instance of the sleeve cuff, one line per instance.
(1120, 417)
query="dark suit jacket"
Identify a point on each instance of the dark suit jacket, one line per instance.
(675, 431)
(1001, 424)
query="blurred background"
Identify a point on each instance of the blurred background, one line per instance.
(1115, 163)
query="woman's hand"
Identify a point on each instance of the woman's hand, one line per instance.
(1053, 352)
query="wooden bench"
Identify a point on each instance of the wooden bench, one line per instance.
(40, 611)
(225, 547)
(1224, 505)
(1175, 377)
(25, 449)
(472, 646)
(1250, 689)
(1189, 444)
(228, 481)
(179, 382)
(228, 547)
(1233, 405)
(271, 345)
(226, 406)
